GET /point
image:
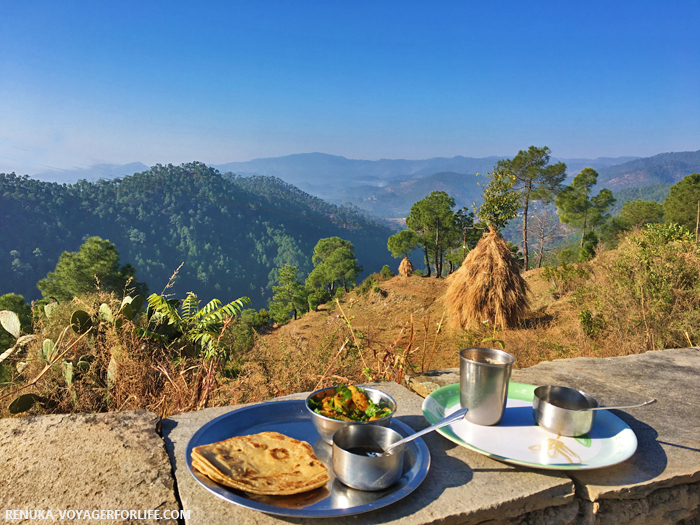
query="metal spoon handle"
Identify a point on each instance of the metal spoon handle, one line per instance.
(452, 418)
(651, 402)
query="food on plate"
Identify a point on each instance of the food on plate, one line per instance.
(348, 403)
(268, 463)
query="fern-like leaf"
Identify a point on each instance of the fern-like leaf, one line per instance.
(190, 307)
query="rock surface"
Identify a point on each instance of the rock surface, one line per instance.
(113, 461)
(461, 486)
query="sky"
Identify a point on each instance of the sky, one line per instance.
(85, 82)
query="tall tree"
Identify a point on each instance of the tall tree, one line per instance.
(97, 262)
(289, 297)
(635, 214)
(681, 205)
(335, 262)
(432, 219)
(533, 179)
(578, 208)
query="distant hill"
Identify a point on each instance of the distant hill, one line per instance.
(396, 197)
(665, 168)
(231, 233)
(326, 175)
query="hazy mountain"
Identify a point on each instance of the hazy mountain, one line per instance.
(574, 166)
(662, 168)
(91, 174)
(396, 197)
(324, 175)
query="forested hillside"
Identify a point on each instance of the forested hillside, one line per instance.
(662, 168)
(231, 233)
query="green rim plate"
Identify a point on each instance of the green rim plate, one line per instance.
(517, 439)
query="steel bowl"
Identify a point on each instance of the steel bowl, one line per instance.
(327, 426)
(564, 410)
(363, 472)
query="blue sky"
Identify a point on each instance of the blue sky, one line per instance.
(116, 82)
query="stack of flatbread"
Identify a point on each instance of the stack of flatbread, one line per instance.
(268, 463)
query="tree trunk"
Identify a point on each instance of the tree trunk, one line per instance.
(438, 266)
(526, 258)
(427, 259)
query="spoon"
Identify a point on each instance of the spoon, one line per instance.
(650, 402)
(452, 418)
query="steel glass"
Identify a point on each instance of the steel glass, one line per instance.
(483, 379)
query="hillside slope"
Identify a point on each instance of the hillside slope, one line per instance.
(229, 233)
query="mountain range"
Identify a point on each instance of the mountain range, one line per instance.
(388, 187)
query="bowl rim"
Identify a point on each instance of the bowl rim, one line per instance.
(383, 418)
(540, 398)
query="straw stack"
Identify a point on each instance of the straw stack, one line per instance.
(406, 268)
(487, 286)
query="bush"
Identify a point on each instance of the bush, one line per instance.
(367, 285)
(565, 278)
(654, 286)
(386, 272)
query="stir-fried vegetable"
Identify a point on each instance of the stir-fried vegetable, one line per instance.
(348, 403)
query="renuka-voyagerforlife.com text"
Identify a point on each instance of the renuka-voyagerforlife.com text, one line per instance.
(111, 514)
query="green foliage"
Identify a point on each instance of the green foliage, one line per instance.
(368, 284)
(636, 214)
(588, 250)
(316, 297)
(335, 263)
(77, 273)
(500, 200)
(433, 220)
(289, 298)
(658, 275)
(578, 208)
(592, 324)
(655, 192)
(386, 272)
(402, 243)
(681, 205)
(565, 278)
(656, 264)
(202, 327)
(13, 304)
(24, 403)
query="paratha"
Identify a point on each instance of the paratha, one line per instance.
(268, 463)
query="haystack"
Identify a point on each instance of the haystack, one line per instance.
(406, 268)
(487, 286)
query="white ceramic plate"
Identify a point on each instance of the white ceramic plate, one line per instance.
(518, 439)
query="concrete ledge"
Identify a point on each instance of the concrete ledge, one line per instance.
(113, 461)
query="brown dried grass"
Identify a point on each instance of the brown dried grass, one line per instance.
(406, 267)
(487, 286)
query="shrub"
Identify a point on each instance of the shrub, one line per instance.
(565, 278)
(367, 285)
(386, 272)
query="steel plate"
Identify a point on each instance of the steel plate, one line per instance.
(292, 419)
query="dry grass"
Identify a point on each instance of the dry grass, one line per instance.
(488, 286)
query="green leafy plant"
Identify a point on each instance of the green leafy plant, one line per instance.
(202, 327)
